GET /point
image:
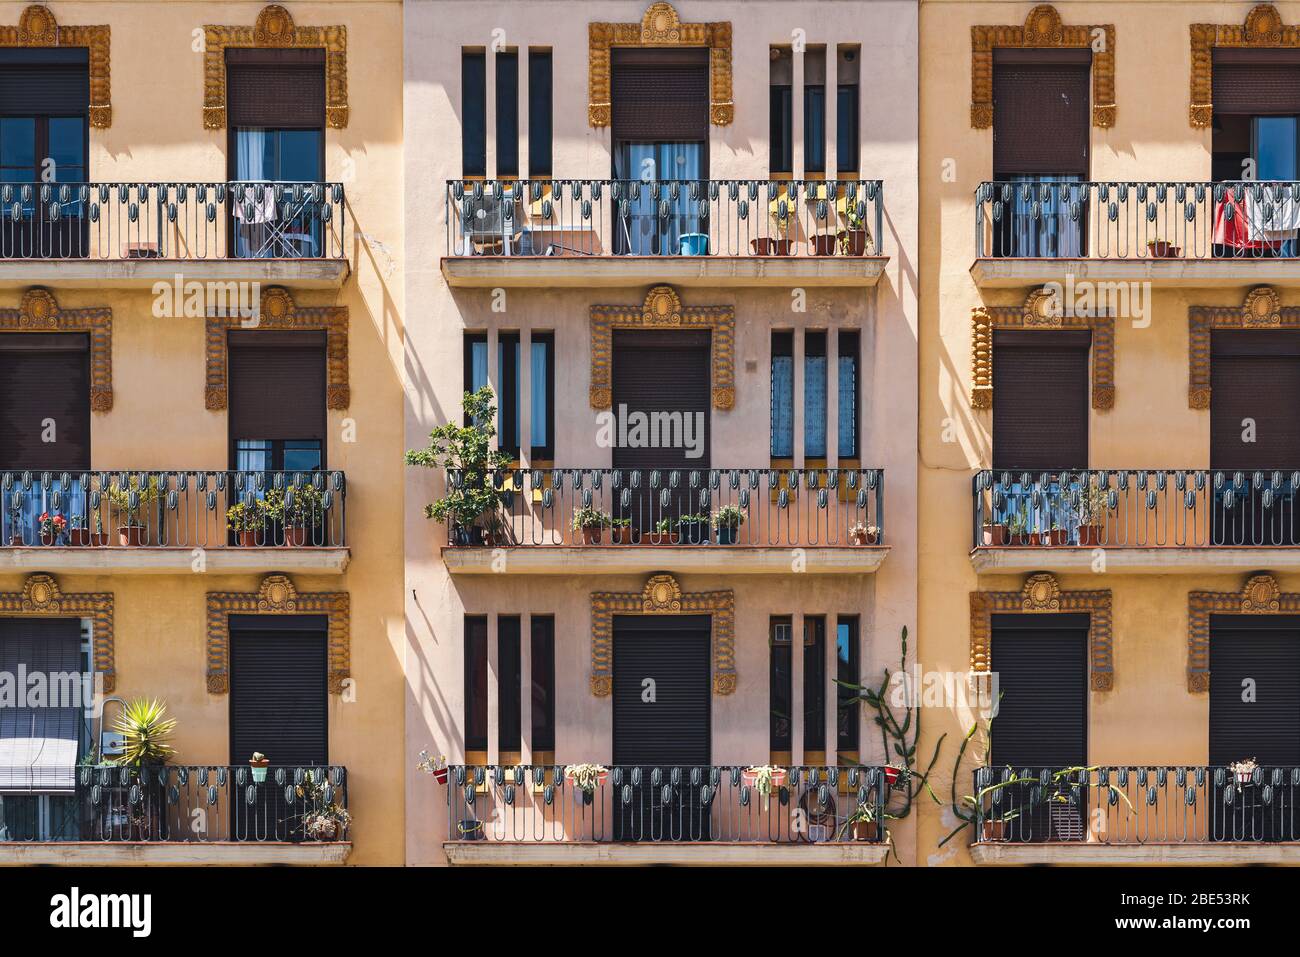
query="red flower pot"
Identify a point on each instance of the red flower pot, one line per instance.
(440, 775)
(750, 779)
(891, 775)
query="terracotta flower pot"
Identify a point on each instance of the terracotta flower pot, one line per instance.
(856, 242)
(1089, 535)
(591, 534)
(996, 535)
(824, 244)
(620, 535)
(295, 536)
(248, 538)
(79, 537)
(865, 830)
(1163, 249)
(49, 538)
(863, 538)
(98, 539)
(131, 535)
(667, 538)
(1058, 536)
(750, 779)
(1020, 539)
(771, 247)
(995, 830)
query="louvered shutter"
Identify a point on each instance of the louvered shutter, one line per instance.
(1254, 376)
(673, 729)
(1042, 666)
(1255, 82)
(277, 385)
(1041, 112)
(1040, 400)
(39, 746)
(45, 81)
(44, 378)
(660, 95)
(278, 89)
(278, 688)
(1266, 652)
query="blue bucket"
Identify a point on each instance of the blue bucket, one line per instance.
(695, 244)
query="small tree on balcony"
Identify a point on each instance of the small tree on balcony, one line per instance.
(465, 451)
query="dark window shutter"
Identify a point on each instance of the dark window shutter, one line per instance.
(660, 95)
(1040, 400)
(44, 377)
(278, 89)
(1040, 112)
(662, 371)
(45, 81)
(673, 729)
(1255, 375)
(543, 677)
(476, 678)
(277, 385)
(509, 684)
(1042, 666)
(278, 688)
(1256, 82)
(1267, 727)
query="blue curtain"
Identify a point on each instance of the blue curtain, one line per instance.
(71, 503)
(643, 232)
(848, 410)
(782, 407)
(814, 407)
(1054, 233)
(539, 438)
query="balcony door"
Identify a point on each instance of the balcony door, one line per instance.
(660, 118)
(44, 110)
(662, 667)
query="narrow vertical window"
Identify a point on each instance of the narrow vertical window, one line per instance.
(509, 688)
(543, 658)
(814, 110)
(814, 683)
(507, 112)
(508, 375)
(782, 395)
(780, 125)
(541, 117)
(542, 399)
(848, 674)
(846, 110)
(780, 684)
(473, 113)
(476, 678)
(847, 418)
(476, 362)
(814, 395)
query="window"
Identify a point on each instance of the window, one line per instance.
(814, 683)
(849, 677)
(473, 112)
(847, 417)
(1040, 418)
(476, 679)
(507, 112)
(780, 126)
(814, 110)
(542, 385)
(509, 394)
(509, 688)
(846, 110)
(541, 119)
(814, 394)
(780, 684)
(1042, 666)
(543, 658)
(276, 403)
(782, 395)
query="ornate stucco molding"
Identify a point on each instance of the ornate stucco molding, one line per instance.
(1042, 594)
(275, 29)
(38, 28)
(41, 597)
(1259, 596)
(660, 26)
(663, 309)
(280, 312)
(663, 596)
(1262, 29)
(1261, 309)
(1043, 28)
(39, 311)
(278, 596)
(1042, 310)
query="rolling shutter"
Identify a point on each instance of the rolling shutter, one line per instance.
(1256, 376)
(277, 385)
(44, 377)
(1041, 111)
(42, 81)
(1255, 82)
(39, 746)
(278, 89)
(665, 371)
(673, 729)
(660, 95)
(278, 688)
(1040, 400)
(1267, 652)
(1042, 666)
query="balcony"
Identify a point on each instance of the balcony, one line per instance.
(1143, 521)
(1137, 815)
(147, 522)
(177, 815)
(601, 233)
(1174, 234)
(671, 815)
(132, 235)
(728, 521)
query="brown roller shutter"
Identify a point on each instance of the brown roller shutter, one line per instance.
(1256, 376)
(1256, 82)
(1040, 400)
(277, 385)
(660, 95)
(276, 88)
(44, 377)
(45, 81)
(1040, 112)
(662, 372)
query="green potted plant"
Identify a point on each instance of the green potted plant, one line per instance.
(78, 534)
(246, 520)
(854, 237)
(98, 538)
(52, 527)
(590, 522)
(693, 529)
(298, 508)
(1057, 535)
(726, 521)
(1094, 503)
(1018, 528)
(666, 532)
(326, 820)
(258, 764)
(472, 504)
(131, 504)
(861, 824)
(620, 531)
(146, 732)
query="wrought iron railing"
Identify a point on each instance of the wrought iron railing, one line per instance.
(1136, 508)
(1136, 805)
(125, 221)
(613, 508)
(173, 509)
(632, 804)
(1138, 220)
(173, 803)
(585, 217)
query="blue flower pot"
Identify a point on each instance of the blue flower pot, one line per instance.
(694, 244)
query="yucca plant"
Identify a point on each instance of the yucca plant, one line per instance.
(146, 729)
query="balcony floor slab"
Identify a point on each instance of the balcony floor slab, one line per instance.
(710, 854)
(999, 273)
(640, 559)
(1004, 560)
(1189, 855)
(144, 273)
(178, 560)
(594, 272)
(178, 854)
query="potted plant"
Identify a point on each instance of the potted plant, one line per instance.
(131, 503)
(78, 534)
(693, 529)
(824, 244)
(52, 527)
(246, 519)
(1243, 771)
(435, 766)
(590, 522)
(1163, 249)
(146, 732)
(1018, 529)
(586, 778)
(620, 531)
(1057, 535)
(861, 824)
(327, 820)
(470, 829)
(666, 532)
(98, 538)
(995, 533)
(258, 764)
(892, 774)
(855, 237)
(1094, 502)
(472, 504)
(298, 509)
(727, 520)
(764, 779)
(781, 216)
(860, 534)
